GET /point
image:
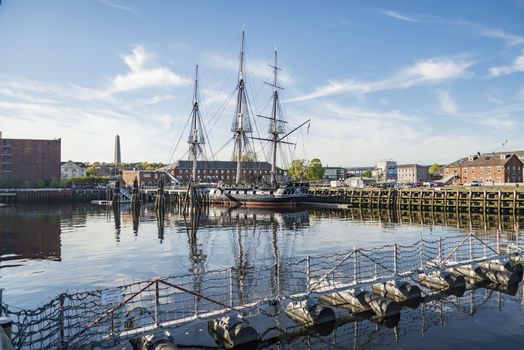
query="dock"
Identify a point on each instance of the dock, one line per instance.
(436, 199)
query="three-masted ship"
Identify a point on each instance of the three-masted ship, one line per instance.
(285, 195)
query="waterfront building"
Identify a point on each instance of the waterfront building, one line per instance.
(412, 173)
(497, 169)
(144, 177)
(359, 182)
(72, 169)
(30, 160)
(386, 170)
(225, 171)
(358, 171)
(334, 173)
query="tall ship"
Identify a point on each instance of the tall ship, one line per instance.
(285, 195)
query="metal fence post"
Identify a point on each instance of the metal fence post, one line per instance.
(421, 252)
(308, 271)
(1, 306)
(498, 242)
(440, 251)
(157, 303)
(231, 287)
(470, 246)
(61, 319)
(395, 258)
(355, 263)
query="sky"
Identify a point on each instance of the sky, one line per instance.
(414, 81)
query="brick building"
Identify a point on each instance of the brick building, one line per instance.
(224, 171)
(495, 169)
(30, 160)
(412, 173)
(144, 177)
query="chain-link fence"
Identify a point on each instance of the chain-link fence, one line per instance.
(106, 316)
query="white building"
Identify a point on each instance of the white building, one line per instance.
(412, 173)
(72, 169)
(386, 170)
(359, 182)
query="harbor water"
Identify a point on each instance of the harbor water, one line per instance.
(48, 250)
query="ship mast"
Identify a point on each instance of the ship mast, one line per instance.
(274, 129)
(241, 123)
(196, 133)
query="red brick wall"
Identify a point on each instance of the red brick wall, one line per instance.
(35, 159)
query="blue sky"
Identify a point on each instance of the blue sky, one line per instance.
(413, 81)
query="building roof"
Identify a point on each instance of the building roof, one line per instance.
(220, 165)
(487, 160)
(459, 162)
(411, 165)
(80, 164)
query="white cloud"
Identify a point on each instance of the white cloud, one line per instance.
(508, 38)
(338, 23)
(117, 6)
(517, 66)
(447, 103)
(397, 15)
(255, 67)
(430, 71)
(139, 76)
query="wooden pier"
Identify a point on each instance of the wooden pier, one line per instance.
(445, 199)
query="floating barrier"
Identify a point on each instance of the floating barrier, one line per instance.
(439, 280)
(310, 312)
(467, 271)
(498, 276)
(397, 290)
(363, 301)
(507, 266)
(232, 331)
(160, 339)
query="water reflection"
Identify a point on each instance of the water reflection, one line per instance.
(29, 237)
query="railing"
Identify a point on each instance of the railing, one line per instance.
(91, 318)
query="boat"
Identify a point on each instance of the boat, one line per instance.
(286, 195)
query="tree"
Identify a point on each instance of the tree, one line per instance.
(315, 171)
(246, 157)
(297, 169)
(27, 184)
(40, 183)
(367, 173)
(434, 168)
(54, 183)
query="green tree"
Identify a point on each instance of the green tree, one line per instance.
(40, 183)
(8, 181)
(367, 173)
(90, 171)
(246, 157)
(54, 183)
(27, 184)
(434, 168)
(297, 169)
(315, 171)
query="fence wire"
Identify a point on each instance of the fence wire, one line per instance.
(78, 320)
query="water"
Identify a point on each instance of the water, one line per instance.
(48, 250)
